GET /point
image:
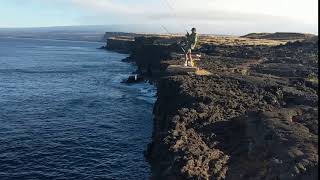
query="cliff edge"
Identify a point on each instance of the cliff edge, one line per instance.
(253, 116)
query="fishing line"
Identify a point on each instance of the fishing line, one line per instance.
(165, 29)
(170, 34)
(167, 3)
(173, 12)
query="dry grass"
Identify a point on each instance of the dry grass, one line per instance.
(202, 72)
(238, 41)
(207, 39)
(313, 78)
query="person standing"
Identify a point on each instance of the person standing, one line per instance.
(192, 40)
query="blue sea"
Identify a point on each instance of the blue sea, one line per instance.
(65, 115)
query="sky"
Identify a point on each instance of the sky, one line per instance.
(221, 16)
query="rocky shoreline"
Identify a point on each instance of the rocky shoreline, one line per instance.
(254, 116)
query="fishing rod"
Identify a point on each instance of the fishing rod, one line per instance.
(170, 34)
(168, 4)
(165, 29)
(173, 11)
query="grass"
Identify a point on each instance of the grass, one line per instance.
(313, 78)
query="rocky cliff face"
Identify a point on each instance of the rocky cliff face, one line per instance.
(255, 117)
(123, 45)
(233, 127)
(148, 55)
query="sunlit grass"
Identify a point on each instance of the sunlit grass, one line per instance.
(313, 78)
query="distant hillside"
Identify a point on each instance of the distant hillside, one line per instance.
(77, 33)
(74, 33)
(55, 35)
(314, 39)
(279, 36)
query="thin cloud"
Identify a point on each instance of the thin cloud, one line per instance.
(220, 16)
(257, 15)
(306, 11)
(107, 6)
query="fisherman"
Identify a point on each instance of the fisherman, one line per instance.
(192, 40)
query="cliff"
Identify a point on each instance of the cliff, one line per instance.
(254, 116)
(233, 127)
(280, 36)
(120, 44)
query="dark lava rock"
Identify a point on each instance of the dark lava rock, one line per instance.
(254, 118)
(204, 129)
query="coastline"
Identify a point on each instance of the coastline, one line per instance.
(254, 117)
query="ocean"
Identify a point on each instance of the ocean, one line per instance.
(65, 115)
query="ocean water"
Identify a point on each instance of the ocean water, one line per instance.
(65, 115)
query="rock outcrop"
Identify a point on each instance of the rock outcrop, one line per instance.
(233, 127)
(280, 36)
(120, 44)
(254, 116)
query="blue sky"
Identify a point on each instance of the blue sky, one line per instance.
(34, 13)
(222, 15)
